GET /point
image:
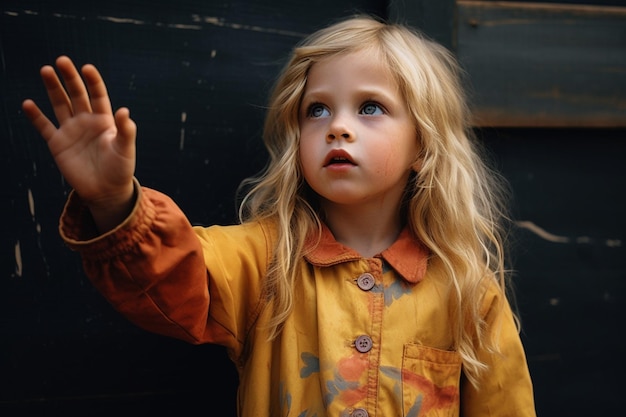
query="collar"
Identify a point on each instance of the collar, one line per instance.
(407, 256)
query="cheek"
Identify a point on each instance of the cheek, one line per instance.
(388, 159)
(395, 161)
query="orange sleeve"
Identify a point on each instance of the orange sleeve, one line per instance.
(150, 267)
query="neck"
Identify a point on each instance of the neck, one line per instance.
(367, 231)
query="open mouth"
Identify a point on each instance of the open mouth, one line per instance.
(338, 157)
(339, 161)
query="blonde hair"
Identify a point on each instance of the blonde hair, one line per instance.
(454, 205)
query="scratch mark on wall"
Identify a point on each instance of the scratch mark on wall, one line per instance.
(18, 259)
(181, 26)
(542, 233)
(216, 21)
(122, 20)
(210, 20)
(613, 243)
(31, 203)
(528, 225)
(183, 119)
(125, 20)
(18, 252)
(15, 14)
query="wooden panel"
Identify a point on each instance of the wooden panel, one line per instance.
(435, 18)
(544, 65)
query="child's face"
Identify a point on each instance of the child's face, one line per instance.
(357, 138)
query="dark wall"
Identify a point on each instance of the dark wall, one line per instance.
(195, 77)
(570, 262)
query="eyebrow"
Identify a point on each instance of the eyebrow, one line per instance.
(361, 92)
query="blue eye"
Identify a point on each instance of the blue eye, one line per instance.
(372, 109)
(317, 110)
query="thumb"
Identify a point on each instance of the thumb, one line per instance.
(126, 127)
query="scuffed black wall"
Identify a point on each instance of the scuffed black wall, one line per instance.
(569, 254)
(196, 76)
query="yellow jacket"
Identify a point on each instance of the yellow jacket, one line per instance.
(367, 336)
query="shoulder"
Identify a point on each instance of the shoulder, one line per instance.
(494, 297)
(253, 238)
(495, 308)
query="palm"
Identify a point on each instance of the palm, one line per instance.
(87, 154)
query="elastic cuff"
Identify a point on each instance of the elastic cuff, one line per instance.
(78, 230)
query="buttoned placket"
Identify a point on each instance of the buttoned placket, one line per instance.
(369, 344)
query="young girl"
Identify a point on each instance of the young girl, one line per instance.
(367, 275)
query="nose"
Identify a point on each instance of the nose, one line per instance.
(339, 128)
(331, 136)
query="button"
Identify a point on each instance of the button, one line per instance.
(363, 343)
(366, 281)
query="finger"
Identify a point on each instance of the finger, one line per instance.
(60, 101)
(74, 85)
(100, 102)
(126, 127)
(39, 120)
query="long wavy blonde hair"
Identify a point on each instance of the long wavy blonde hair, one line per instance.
(454, 205)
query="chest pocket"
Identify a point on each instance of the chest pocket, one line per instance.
(430, 382)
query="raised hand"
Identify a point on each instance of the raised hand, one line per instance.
(93, 148)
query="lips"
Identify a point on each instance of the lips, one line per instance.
(338, 156)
